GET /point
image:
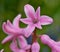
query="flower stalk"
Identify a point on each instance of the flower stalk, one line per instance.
(34, 36)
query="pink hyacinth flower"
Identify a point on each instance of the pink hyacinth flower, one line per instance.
(34, 19)
(55, 46)
(13, 30)
(22, 43)
(14, 47)
(35, 47)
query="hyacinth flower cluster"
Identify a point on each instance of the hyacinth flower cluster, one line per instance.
(18, 35)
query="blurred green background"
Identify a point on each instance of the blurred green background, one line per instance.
(10, 8)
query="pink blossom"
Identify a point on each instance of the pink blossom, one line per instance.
(55, 46)
(13, 30)
(14, 47)
(34, 19)
(35, 47)
(22, 43)
(23, 46)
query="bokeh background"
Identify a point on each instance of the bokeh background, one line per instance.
(10, 8)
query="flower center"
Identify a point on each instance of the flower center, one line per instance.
(35, 21)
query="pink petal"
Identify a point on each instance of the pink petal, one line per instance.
(23, 43)
(46, 39)
(13, 46)
(58, 43)
(8, 38)
(29, 30)
(26, 20)
(16, 20)
(13, 27)
(21, 50)
(51, 43)
(53, 51)
(29, 11)
(7, 29)
(35, 47)
(38, 25)
(27, 47)
(9, 24)
(45, 20)
(38, 13)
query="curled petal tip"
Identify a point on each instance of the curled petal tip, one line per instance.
(26, 5)
(19, 15)
(3, 25)
(16, 20)
(7, 20)
(2, 42)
